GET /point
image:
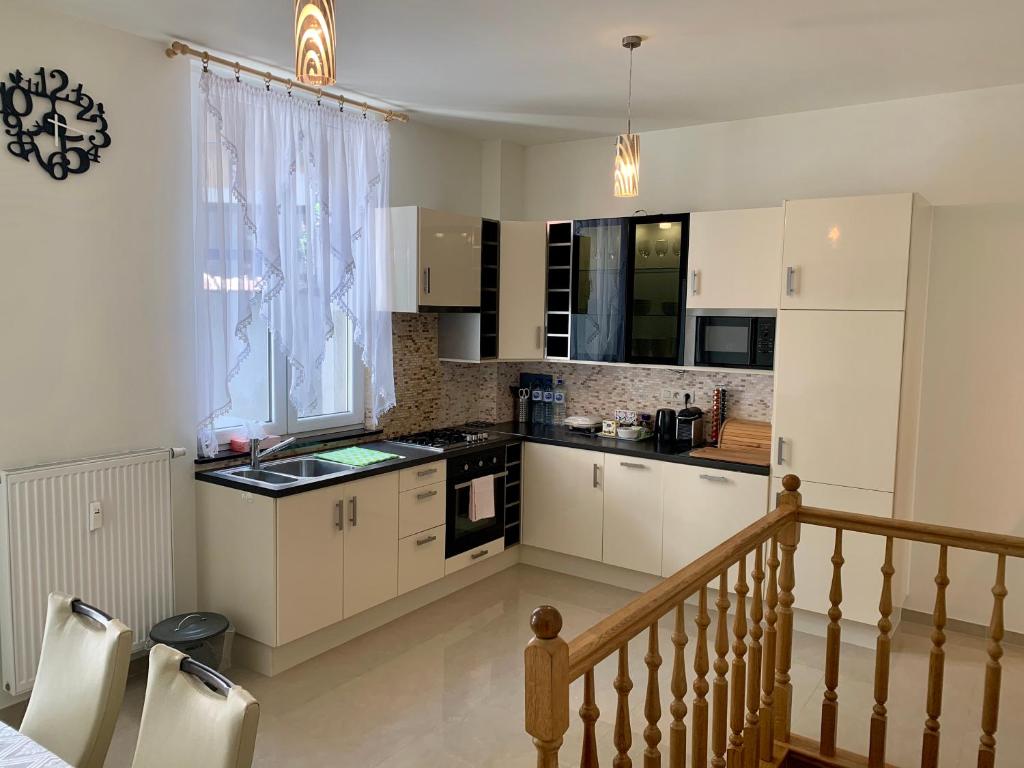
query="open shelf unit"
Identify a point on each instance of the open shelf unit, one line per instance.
(559, 290)
(513, 493)
(490, 286)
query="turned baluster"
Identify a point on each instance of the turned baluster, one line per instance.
(771, 599)
(830, 703)
(547, 685)
(789, 537)
(652, 704)
(589, 713)
(677, 730)
(883, 650)
(936, 664)
(700, 683)
(751, 735)
(720, 686)
(737, 682)
(993, 671)
(622, 737)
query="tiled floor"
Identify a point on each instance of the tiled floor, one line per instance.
(444, 687)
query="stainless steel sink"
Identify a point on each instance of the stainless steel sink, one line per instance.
(309, 467)
(262, 476)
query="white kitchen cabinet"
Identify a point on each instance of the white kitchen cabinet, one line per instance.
(703, 507)
(421, 508)
(847, 253)
(310, 562)
(837, 397)
(563, 499)
(473, 556)
(420, 559)
(734, 259)
(632, 513)
(432, 259)
(371, 542)
(863, 553)
(521, 298)
(421, 475)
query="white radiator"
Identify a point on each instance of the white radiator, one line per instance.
(122, 565)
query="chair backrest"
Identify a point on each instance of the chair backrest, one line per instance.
(80, 682)
(184, 722)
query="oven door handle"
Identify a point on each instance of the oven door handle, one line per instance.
(468, 483)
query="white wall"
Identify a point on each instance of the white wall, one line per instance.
(435, 169)
(961, 148)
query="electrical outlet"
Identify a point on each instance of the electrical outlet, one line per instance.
(666, 394)
(95, 515)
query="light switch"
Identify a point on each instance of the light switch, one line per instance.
(95, 515)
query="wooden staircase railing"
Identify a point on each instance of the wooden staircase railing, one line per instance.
(741, 717)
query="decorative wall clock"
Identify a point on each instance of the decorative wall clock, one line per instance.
(63, 129)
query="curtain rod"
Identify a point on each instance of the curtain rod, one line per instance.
(178, 48)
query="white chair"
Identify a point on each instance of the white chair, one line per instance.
(80, 682)
(185, 723)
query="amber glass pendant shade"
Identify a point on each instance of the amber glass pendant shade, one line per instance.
(314, 42)
(627, 165)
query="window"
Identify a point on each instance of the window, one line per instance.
(259, 393)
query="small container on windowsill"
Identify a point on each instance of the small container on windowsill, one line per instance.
(241, 444)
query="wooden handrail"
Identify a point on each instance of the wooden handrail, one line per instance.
(592, 646)
(943, 535)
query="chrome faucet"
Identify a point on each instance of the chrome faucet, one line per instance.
(256, 455)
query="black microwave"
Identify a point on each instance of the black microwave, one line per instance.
(730, 341)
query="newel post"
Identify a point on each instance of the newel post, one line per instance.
(788, 538)
(547, 685)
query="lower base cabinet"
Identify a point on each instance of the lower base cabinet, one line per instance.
(473, 556)
(704, 507)
(633, 513)
(371, 533)
(862, 552)
(420, 559)
(563, 499)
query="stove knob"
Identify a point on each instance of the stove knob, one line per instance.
(465, 467)
(480, 463)
(494, 459)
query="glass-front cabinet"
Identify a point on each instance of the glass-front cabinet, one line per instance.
(657, 289)
(600, 277)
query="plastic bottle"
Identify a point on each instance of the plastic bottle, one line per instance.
(549, 403)
(561, 396)
(537, 404)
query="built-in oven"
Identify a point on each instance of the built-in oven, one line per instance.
(461, 532)
(731, 340)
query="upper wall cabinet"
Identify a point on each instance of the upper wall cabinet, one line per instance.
(734, 259)
(433, 260)
(521, 299)
(847, 253)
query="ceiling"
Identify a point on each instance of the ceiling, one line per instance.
(535, 71)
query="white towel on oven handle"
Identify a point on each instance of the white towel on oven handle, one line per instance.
(481, 498)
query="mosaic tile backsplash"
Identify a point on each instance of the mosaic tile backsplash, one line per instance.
(433, 394)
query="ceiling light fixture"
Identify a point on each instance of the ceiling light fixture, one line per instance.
(627, 148)
(314, 42)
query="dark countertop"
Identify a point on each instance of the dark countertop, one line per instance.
(642, 449)
(410, 457)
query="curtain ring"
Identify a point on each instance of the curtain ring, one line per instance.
(389, 116)
(319, 95)
(206, 61)
(266, 80)
(341, 104)
(289, 89)
(238, 72)
(365, 107)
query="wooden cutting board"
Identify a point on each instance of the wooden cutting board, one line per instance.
(742, 442)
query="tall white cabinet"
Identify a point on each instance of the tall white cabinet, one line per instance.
(847, 378)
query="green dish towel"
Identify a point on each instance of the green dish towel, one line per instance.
(354, 456)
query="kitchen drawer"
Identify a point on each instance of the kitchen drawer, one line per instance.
(424, 474)
(474, 556)
(420, 509)
(420, 559)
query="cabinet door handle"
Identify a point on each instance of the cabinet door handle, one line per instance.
(425, 472)
(790, 273)
(778, 451)
(427, 495)
(693, 282)
(337, 516)
(353, 515)
(632, 465)
(425, 540)
(715, 478)
(597, 482)
(478, 555)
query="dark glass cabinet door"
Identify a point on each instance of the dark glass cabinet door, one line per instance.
(600, 271)
(656, 297)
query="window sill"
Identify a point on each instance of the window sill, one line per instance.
(303, 443)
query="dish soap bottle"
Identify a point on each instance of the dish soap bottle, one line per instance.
(560, 398)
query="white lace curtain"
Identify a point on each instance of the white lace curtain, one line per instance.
(285, 199)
